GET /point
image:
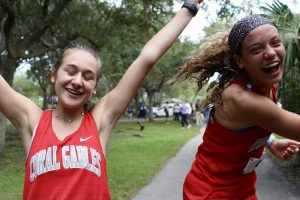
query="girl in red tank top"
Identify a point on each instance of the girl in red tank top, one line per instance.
(249, 63)
(66, 146)
(74, 168)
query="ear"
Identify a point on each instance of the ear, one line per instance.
(238, 61)
(53, 77)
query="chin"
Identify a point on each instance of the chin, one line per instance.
(73, 104)
(278, 78)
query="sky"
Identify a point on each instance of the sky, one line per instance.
(194, 30)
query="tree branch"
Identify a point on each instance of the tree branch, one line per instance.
(49, 20)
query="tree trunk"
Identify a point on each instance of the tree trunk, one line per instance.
(45, 102)
(8, 69)
(2, 133)
(151, 99)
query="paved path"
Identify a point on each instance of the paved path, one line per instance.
(273, 184)
(167, 184)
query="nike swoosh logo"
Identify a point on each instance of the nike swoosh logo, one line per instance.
(85, 139)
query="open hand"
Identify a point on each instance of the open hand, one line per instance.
(284, 149)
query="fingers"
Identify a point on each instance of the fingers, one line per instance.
(294, 142)
(295, 148)
(290, 152)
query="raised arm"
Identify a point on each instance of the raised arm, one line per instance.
(115, 102)
(20, 111)
(150, 54)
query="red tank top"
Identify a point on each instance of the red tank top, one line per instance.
(225, 163)
(74, 168)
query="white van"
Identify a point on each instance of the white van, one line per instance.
(160, 111)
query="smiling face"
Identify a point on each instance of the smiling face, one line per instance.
(75, 79)
(262, 56)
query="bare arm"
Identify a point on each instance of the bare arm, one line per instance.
(20, 111)
(246, 108)
(111, 107)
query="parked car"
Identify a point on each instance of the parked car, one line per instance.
(160, 111)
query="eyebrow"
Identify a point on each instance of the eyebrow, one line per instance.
(259, 43)
(85, 71)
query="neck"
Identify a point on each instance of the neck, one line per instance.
(68, 116)
(265, 91)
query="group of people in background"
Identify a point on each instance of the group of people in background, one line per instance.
(186, 113)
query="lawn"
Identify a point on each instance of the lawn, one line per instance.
(12, 168)
(134, 156)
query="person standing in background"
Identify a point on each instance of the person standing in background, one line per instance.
(198, 114)
(176, 112)
(142, 115)
(130, 111)
(189, 117)
(166, 114)
(184, 115)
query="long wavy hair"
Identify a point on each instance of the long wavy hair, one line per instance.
(212, 57)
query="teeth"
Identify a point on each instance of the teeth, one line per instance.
(74, 92)
(272, 65)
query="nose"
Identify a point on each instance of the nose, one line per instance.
(269, 52)
(77, 80)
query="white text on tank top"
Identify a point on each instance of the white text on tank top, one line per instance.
(73, 156)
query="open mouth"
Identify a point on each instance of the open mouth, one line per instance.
(271, 68)
(74, 92)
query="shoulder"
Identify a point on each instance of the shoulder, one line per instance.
(239, 96)
(233, 94)
(240, 104)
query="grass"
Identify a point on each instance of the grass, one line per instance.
(12, 168)
(134, 156)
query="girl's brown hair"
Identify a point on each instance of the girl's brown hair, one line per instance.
(212, 57)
